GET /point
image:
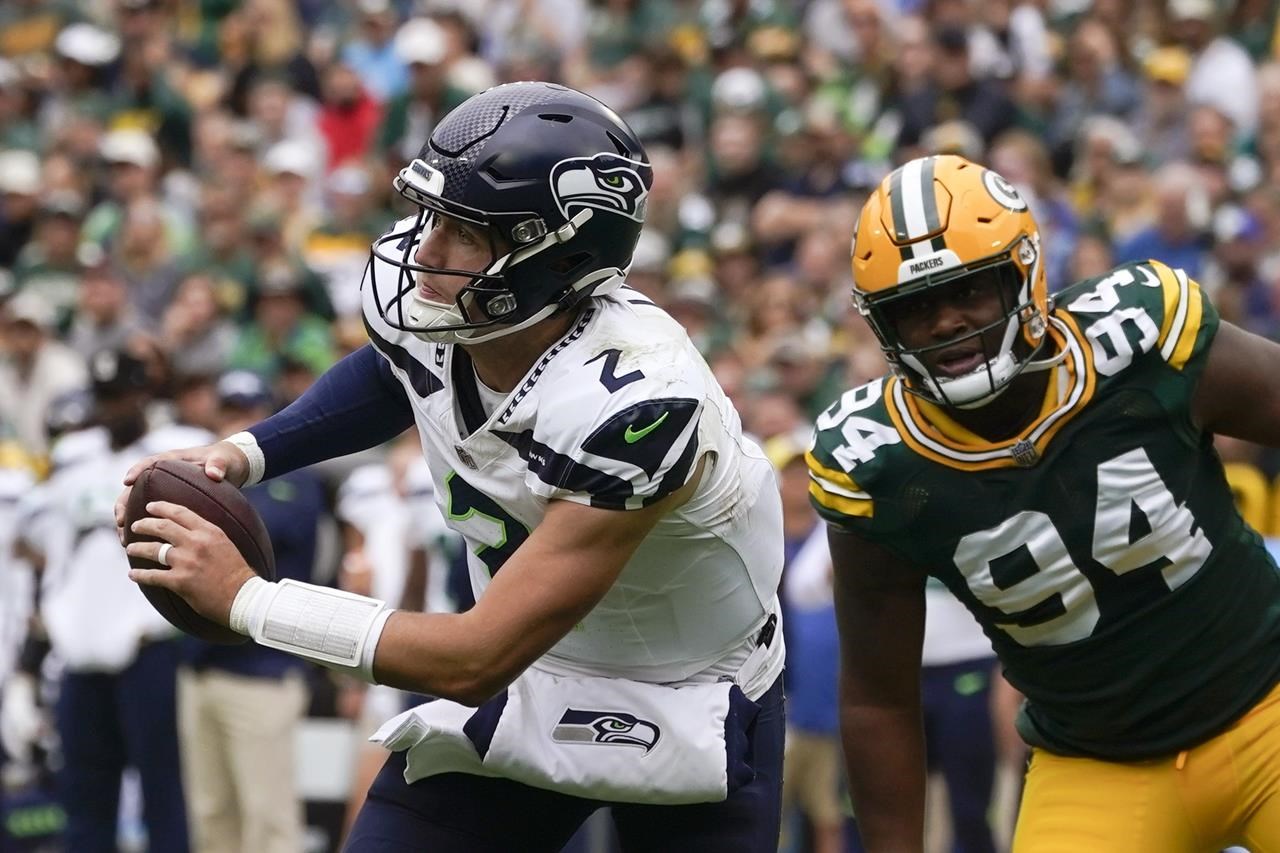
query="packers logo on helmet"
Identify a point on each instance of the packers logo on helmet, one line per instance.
(932, 224)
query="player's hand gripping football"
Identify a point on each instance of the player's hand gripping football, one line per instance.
(205, 567)
(221, 460)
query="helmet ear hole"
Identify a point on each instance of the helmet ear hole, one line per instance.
(566, 266)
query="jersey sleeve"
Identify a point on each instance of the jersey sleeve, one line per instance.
(622, 433)
(1189, 320)
(832, 491)
(1142, 312)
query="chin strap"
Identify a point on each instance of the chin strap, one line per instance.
(1045, 363)
(1053, 360)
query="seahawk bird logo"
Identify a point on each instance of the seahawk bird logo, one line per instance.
(614, 728)
(604, 181)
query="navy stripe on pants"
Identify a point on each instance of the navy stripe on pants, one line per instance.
(461, 813)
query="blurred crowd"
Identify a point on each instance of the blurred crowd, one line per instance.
(197, 183)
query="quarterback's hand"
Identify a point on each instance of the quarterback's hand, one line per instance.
(221, 460)
(205, 568)
(21, 723)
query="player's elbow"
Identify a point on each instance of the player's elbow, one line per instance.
(473, 689)
(474, 678)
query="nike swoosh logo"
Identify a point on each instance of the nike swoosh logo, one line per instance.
(632, 435)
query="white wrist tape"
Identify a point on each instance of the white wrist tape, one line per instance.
(329, 626)
(257, 461)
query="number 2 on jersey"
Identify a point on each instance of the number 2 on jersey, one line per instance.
(1055, 603)
(480, 519)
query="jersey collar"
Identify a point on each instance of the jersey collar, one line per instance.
(930, 431)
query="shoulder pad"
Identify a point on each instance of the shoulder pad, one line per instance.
(849, 443)
(1135, 309)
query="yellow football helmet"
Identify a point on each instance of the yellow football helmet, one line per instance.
(931, 223)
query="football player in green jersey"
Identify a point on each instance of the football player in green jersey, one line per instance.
(1052, 463)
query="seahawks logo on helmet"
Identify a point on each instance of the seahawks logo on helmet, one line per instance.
(604, 182)
(610, 728)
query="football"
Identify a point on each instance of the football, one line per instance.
(222, 504)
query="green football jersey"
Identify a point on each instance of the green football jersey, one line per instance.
(1100, 549)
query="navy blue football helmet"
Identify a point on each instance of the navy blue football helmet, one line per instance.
(556, 180)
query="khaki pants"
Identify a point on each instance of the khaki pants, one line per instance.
(811, 776)
(237, 735)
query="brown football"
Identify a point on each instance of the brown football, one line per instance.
(223, 504)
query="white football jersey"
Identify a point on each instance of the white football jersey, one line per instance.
(616, 414)
(96, 617)
(393, 521)
(16, 576)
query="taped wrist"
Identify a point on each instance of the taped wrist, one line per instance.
(257, 460)
(331, 627)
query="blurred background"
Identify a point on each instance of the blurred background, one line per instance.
(193, 185)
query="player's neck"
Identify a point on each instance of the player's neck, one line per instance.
(502, 362)
(1011, 412)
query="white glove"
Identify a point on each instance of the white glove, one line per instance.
(20, 719)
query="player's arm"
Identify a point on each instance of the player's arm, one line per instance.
(355, 405)
(555, 578)
(880, 610)
(1239, 391)
(414, 595)
(558, 574)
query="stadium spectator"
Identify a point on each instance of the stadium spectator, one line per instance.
(954, 90)
(19, 201)
(1179, 234)
(195, 334)
(812, 776)
(1099, 83)
(1222, 72)
(349, 116)
(105, 318)
(35, 369)
(1161, 118)
(410, 115)
(282, 330)
(49, 264)
(239, 707)
(116, 698)
(372, 55)
(144, 259)
(263, 43)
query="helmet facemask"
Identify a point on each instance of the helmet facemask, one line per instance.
(1008, 344)
(487, 306)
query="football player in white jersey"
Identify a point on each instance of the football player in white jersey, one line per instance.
(116, 703)
(624, 538)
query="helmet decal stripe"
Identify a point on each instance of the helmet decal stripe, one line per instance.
(932, 222)
(895, 202)
(913, 207)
